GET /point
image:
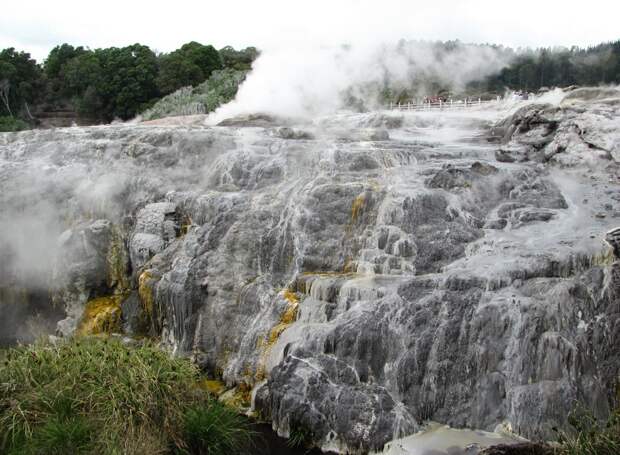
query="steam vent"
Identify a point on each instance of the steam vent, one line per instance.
(349, 277)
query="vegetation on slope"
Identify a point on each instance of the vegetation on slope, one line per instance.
(558, 67)
(219, 89)
(104, 84)
(99, 396)
(11, 124)
(590, 436)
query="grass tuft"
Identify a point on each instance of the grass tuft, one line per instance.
(589, 435)
(217, 430)
(99, 396)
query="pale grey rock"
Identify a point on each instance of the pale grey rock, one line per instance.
(358, 285)
(292, 133)
(584, 128)
(83, 269)
(613, 238)
(156, 226)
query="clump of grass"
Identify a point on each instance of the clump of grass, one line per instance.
(99, 396)
(217, 430)
(589, 435)
(299, 437)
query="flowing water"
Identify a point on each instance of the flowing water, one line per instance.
(349, 276)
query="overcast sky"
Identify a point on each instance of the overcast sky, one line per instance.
(38, 25)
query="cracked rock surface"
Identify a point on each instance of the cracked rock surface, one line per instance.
(353, 276)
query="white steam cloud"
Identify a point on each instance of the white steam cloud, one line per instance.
(309, 81)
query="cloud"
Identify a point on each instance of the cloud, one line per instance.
(37, 26)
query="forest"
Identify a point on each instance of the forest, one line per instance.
(104, 84)
(557, 67)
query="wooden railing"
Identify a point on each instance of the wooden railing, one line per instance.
(450, 104)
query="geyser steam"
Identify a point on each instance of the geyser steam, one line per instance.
(309, 81)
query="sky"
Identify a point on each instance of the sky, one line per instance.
(38, 25)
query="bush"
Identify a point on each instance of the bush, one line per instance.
(219, 89)
(590, 436)
(11, 124)
(98, 396)
(214, 430)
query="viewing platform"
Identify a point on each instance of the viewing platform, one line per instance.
(440, 105)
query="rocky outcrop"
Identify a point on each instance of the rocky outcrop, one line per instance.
(344, 282)
(92, 262)
(582, 129)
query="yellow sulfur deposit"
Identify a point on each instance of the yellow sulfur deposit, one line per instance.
(604, 258)
(213, 386)
(238, 398)
(145, 292)
(186, 224)
(101, 315)
(349, 265)
(286, 318)
(357, 207)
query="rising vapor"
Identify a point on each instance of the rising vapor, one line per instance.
(310, 81)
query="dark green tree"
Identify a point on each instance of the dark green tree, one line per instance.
(192, 64)
(127, 82)
(82, 81)
(20, 83)
(239, 60)
(58, 57)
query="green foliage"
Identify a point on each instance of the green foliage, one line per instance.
(192, 64)
(106, 83)
(560, 67)
(10, 124)
(20, 81)
(127, 80)
(238, 60)
(219, 89)
(98, 396)
(71, 435)
(590, 436)
(113, 82)
(214, 430)
(300, 437)
(81, 73)
(58, 57)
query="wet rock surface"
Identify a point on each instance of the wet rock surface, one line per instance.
(348, 283)
(582, 128)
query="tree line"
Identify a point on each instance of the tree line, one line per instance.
(109, 83)
(104, 84)
(533, 69)
(525, 70)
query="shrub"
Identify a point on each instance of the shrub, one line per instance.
(590, 436)
(12, 124)
(219, 89)
(94, 395)
(214, 430)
